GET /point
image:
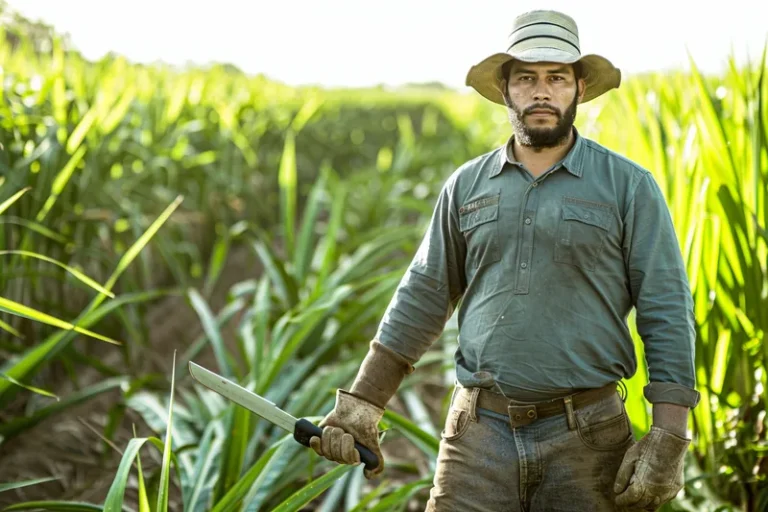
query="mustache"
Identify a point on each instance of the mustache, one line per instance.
(542, 106)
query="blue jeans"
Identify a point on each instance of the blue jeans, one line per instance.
(486, 465)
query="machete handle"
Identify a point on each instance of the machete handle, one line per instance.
(305, 430)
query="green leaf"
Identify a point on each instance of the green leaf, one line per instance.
(425, 441)
(207, 455)
(61, 180)
(76, 273)
(284, 285)
(8, 202)
(237, 425)
(58, 506)
(25, 483)
(30, 388)
(237, 492)
(402, 495)
(143, 499)
(287, 181)
(212, 331)
(297, 330)
(116, 494)
(139, 244)
(313, 489)
(53, 344)
(13, 427)
(34, 226)
(10, 329)
(24, 311)
(216, 263)
(304, 249)
(162, 497)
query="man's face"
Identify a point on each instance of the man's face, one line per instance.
(541, 99)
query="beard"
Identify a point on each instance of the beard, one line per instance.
(544, 137)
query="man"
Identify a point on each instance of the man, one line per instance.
(548, 242)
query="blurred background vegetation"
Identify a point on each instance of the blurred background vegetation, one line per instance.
(150, 216)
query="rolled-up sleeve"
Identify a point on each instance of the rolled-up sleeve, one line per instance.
(662, 297)
(432, 285)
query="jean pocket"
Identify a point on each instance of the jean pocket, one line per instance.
(456, 424)
(479, 224)
(603, 428)
(581, 232)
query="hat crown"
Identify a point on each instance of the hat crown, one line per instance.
(544, 29)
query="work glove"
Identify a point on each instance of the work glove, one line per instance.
(353, 419)
(651, 473)
(358, 411)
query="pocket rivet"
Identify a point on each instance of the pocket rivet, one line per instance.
(531, 413)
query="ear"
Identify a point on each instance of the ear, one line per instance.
(582, 85)
(504, 90)
(505, 95)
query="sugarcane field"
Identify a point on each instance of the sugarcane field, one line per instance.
(410, 256)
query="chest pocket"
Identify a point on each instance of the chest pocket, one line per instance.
(479, 223)
(581, 233)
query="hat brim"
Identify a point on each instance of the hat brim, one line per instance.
(599, 74)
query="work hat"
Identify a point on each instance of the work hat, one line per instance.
(544, 36)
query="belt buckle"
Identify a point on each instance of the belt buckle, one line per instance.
(521, 415)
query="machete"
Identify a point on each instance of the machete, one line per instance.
(302, 429)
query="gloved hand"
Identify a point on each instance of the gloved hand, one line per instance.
(358, 411)
(652, 471)
(353, 419)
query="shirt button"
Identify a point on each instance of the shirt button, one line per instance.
(524, 264)
(528, 220)
(535, 184)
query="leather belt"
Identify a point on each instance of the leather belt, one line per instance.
(523, 413)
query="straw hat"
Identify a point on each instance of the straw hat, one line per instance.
(544, 36)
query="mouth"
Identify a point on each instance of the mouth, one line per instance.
(541, 113)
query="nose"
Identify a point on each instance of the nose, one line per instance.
(541, 94)
(541, 91)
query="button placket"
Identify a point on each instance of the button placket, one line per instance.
(527, 229)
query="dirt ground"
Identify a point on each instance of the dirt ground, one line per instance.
(68, 446)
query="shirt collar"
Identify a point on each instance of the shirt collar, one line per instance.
(572, 161)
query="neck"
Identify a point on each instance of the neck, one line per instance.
(538, 160)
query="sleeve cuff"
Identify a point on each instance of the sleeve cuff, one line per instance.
(673, 393)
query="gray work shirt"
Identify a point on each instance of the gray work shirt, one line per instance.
(545, 272)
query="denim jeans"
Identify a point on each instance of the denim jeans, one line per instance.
(486, 465)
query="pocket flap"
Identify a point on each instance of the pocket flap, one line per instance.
(594, 216)
(479, 212)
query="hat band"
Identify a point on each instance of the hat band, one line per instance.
(535, 42)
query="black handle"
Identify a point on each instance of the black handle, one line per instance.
(305, 429)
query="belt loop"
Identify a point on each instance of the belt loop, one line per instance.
(456, 389)
(626, 391)
(569, 412)
(473, 404)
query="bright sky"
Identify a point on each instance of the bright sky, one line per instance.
(359, 43)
